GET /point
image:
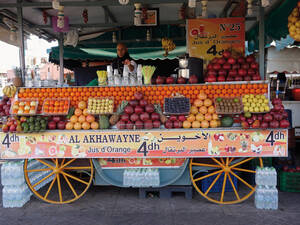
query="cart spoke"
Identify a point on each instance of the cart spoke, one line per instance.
(227, 162)
(67, 163)
(224, 186)
(75, 178)
(78, 168)
(241, 162)
(70, 185)
(217, 161)
(244, 170)
(53, 161)
(46, 164)
(59, 188)
(244, 182)
(230, 160)
(204, 164)
(62, 162)
(50, 188)
(38, 170)
(208, 175)
(212, 184)
(45, 178)
(222, 161)
(234, 189)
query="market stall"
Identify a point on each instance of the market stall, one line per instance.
(133, 131)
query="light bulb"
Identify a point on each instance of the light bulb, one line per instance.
(192, 3)
(123, 2)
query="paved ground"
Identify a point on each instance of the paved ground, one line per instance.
(116, 206)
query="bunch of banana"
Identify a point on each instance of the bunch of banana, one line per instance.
(10, 91)
(294, 23)
(168, 45)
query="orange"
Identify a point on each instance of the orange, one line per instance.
(69, 126)
(85, 112)
(77, 126)
(191, 118)
(94, 125)
(205, 124)
(211, 109)
(194, 110)
(85, 125)
(196, 124)
(78, 112)
(82, 105)
(81, 119)
(200, 117)
(198, 102)
(213, 123)
(203, 109)
(202, 96)
(208, 117)
(74, 119)
(215, 116)
(207, 102)
(90, 118)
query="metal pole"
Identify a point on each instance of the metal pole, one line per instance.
(61, 59)
(21, 40)
(261, 42)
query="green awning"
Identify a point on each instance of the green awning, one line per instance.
(276, 25)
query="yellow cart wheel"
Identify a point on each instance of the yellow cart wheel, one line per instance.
(225, 169)
(72, 178)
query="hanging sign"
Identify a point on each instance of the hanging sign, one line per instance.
(145, 144)
(208, 38)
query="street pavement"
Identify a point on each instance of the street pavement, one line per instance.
(121, 206)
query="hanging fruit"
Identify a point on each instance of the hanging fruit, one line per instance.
(85, 15)
(294, 23)
(168, 45)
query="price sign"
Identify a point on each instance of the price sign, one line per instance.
(208, 38)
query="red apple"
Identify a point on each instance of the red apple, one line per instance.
(170, 80)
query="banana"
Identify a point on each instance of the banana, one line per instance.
(10, 91)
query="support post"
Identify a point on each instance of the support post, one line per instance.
(21, 40)
(261, 42)
(61, 59)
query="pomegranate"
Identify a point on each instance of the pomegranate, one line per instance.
(242, 72)
(155, 116)
(251, 72)
(169, 124)
(156, 124)
(173, 118)
(181, 80)
(211, 78)
(235, 66)
(245, 66)
(170, 80)
(222, 72)
(221, 61)
(264, 125)
(250, 59)
(230, 78)
(128, 109)
(134, 117)
(138, 95)
(247, 78)
(211, 72)
(143, 103)
(226, 54)
(133, 103)
(232, 73)
(121, 125)
(148, 124)
(217, 66)
(160, 80)
(241, 60)
(177, 124)
(226, 66)
(181, 118)
(209, 67)
(129, 125)
(215, 60)
(138, 124)
(238, 78)
(274, 124)
(268, 117)
(254, 65)
(231, 60)
(125, 117)
(277, 116)
(144, 116)
(284, 124)
(221, 79)
(193, 79)
(149, 108)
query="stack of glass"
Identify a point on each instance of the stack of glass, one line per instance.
(146, 177)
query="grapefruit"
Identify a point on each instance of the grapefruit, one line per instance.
(186, 124)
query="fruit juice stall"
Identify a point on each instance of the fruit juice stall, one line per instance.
(151, 135)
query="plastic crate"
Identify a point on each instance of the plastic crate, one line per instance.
(219, 184)
(289, 182)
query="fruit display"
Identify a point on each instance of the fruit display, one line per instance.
(202, 114)
(24, 107)
(230, 68)
(5, 105)
(9, 91)
(33, 124)
(228, 105)
(175, 122)
(100, 106)
(193, 79)
(138, 114)
(255, 103)
(82, 120)
(294, 23)
(177, 105)
(55, 106)
(276, 118)
(56, 122)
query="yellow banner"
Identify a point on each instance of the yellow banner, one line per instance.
(187, 143)
(208, 38)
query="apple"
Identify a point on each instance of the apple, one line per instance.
(160, 80)
(61, 125)
(181, 80)
(170, 80)
(173, 118)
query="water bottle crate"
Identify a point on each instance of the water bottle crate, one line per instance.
(219, 184)
(289, 181)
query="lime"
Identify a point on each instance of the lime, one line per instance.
(219, 99)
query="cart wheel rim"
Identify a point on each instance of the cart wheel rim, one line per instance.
(59, 171)
(225, 168)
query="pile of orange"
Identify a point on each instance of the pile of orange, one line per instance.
(202, 113)
(81, 119)
(55, 107)
(153, 94)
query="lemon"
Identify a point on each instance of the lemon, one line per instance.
(253, 105)
(251, 109)
(267, 108)
(246, 109)
(247, 104)
(251, 96)
(260, 101)
(262, 109)
(246, 96)
(266, 101)
(256, 109)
